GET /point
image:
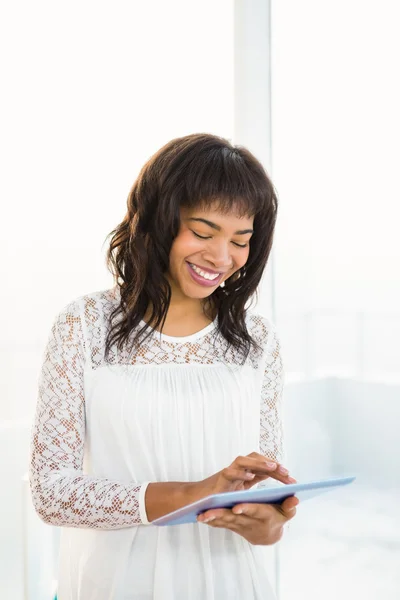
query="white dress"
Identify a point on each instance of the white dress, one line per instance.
(176, 410)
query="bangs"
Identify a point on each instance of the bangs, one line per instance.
(198, 171)
(224, 180)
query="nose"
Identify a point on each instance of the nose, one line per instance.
(219, 256)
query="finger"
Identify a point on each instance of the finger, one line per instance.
(263, 511)
(262, 467)
(280, 472)
(289, 514)
(227, 520)
(224, 524)
(253, 476)
(245, 475)
(281, 469)
(224, 514)
(287, 479)
(254, 510)
(262, 464)
(289, 505)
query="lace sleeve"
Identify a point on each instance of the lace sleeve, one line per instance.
(271, 426)
(61, 493)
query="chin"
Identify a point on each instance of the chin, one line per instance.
(198, 293)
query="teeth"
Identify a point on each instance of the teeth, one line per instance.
(203, 274)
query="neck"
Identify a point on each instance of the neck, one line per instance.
(182, 306)
(187, 309)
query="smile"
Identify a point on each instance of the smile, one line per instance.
(202, 277)
(204, 274)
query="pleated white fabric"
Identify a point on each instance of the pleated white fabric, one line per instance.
(178, 410)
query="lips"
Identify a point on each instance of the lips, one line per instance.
(201, 280)
(205, 270)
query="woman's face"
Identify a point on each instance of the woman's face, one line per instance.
(209, 248)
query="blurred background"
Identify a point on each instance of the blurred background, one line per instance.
(90, 90)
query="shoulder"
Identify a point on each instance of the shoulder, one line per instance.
(83, 312)
(93, 302)
(261, 328)
(265, 333)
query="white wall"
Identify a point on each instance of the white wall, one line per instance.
(90, 91)
(336, 131)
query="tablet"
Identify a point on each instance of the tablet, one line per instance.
(267, 495)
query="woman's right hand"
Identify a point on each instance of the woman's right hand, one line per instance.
(244, 472)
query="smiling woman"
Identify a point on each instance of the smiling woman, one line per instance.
(199, 204)
(212, 258)
(125, 433)
(201, 261)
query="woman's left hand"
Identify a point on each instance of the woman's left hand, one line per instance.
(259, 524)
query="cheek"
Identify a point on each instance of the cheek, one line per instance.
(184, 246)
(242, 257)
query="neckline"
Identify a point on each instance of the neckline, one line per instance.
(174, 338)
(186, 338)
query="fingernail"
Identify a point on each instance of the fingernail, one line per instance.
(292, 480)
(283, 470)
(209, 519)
(250, 475)
(271, 465)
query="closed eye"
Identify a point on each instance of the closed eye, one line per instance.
(209, 237)
(201, 236)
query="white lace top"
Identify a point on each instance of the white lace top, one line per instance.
(176, 410)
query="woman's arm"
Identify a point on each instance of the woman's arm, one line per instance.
(61, 493)
(271, 425)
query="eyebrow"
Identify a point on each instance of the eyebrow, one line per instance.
(217, 227)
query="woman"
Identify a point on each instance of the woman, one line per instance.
(165, 389)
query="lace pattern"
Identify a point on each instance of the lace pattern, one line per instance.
(62, 494)
(271, 426)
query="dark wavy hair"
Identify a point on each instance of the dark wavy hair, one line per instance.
(196, 170)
